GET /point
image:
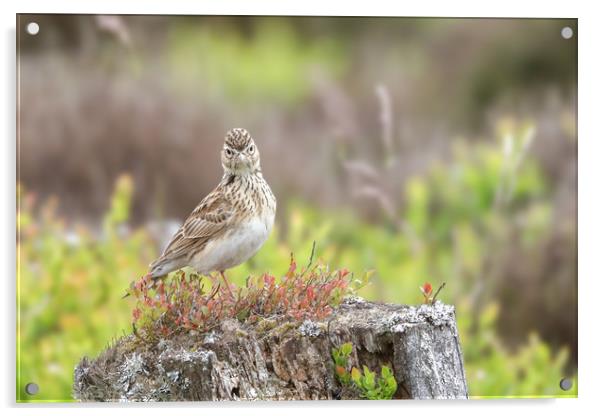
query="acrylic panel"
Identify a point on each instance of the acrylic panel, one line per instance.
(295, 208)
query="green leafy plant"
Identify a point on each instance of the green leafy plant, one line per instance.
(367, 383)
(372, 387)
(341, 361)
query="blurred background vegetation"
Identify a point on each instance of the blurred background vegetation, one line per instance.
(441, 150)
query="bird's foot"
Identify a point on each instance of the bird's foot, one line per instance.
(227, 283)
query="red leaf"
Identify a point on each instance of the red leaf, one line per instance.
(291, 269)
(136, 313)
(310, 293)
(269, 280)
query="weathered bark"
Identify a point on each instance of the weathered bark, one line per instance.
(282, 360)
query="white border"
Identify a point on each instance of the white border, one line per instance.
(590, 207)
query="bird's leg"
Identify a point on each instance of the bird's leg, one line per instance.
(227, 283)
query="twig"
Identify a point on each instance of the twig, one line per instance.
(311, 256)
(386, 120)
(437, 292)
(135, 332)
(311, 259)
(214, 292)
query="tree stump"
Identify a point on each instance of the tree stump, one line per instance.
(278, 359)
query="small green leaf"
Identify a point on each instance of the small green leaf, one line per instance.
(355, 375)
(347, 348)
(392, 384)
(369, 378)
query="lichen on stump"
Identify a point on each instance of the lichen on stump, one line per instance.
(276, 359)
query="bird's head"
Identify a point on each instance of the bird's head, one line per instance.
(240, 154)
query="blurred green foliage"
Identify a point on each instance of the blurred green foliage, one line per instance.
(454, 217)
(271, 63)
(70, 285)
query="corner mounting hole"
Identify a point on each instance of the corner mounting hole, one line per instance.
(566, 32)
(32, 389)
(33, 28)
(566, 384)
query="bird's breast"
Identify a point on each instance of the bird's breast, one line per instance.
(235, 246)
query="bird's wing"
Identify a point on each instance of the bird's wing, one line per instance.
(208, 219)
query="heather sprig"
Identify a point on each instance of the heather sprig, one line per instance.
(187, 301)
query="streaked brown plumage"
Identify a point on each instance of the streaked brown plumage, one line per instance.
(231, 223)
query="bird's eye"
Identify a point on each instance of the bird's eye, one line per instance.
(228, 152)
(251, 149)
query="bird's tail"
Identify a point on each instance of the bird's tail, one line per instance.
(161, 267)
(158, 269)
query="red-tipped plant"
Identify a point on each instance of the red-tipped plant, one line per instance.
(191, 302)
(427, 292)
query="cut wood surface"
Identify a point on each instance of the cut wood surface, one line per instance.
(277, 359)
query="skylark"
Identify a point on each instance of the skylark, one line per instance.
(231, 223)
